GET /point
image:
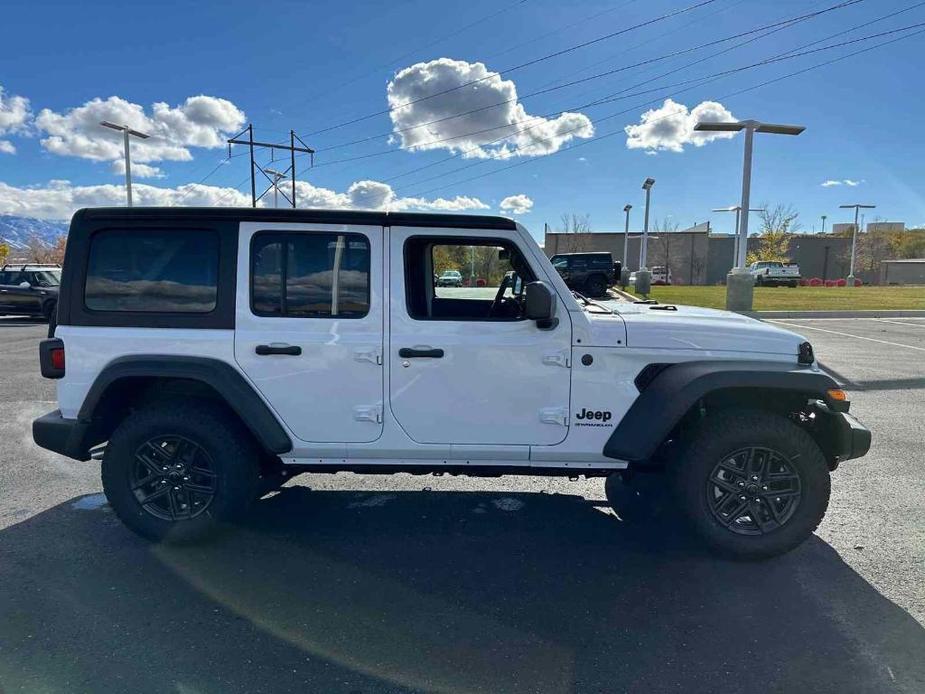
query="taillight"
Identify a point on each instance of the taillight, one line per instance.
(51, 358)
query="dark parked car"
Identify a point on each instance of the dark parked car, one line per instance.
(30, 290)
(587, 273)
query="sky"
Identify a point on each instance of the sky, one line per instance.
(469, 106)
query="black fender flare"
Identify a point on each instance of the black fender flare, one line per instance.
(678, 387)
(227, 381)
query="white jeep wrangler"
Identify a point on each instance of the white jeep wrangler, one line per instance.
(207, 355)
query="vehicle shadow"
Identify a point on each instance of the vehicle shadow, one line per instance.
(20, 321)
(341, 591)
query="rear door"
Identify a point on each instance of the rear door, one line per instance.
(309, 328)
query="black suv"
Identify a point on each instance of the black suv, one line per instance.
(30, 290)
(588, 273)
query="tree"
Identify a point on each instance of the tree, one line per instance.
(577, 228)
(660, 246)
(778, 224)
(4, 252)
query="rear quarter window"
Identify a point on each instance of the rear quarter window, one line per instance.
(152, 271)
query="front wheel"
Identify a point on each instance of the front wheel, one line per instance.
(176, 472)
(753, 484)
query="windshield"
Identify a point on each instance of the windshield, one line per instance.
(48, 278)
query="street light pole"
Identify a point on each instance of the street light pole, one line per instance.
(126, 131)
(854, 237)
(823, 223)
(740, 285)
(643, 276)
(737, 210)
(624, 270)
(277, 177)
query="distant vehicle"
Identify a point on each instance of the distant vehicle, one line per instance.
(660, 275)
(30, 290)
(773, 273)
(588, 273)
(450, 278)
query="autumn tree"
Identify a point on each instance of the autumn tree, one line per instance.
(577, 229)
(778, 225)
(4, 252)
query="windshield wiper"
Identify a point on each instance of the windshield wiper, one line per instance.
(590, 302)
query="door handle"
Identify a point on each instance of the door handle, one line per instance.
(413, 353)
(290, 350)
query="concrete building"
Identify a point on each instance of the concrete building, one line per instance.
(911, 271)
(699, 256)
(846, 227)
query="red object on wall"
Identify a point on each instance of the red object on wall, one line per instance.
(841, 282)
(815, 282)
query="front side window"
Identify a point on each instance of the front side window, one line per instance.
(469, 279)
(310, 275)
(169, 271)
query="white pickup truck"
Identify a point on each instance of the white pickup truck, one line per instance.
(773, 273)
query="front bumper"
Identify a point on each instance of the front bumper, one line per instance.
(65, 436)
(845, 437)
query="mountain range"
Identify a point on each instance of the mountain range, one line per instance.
(15, 231)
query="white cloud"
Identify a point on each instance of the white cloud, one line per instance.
(840, 182)
(488, 133)
(516, 204)
(60, 199)
(671, 126)
(200, 121)
(15, 115)
(138, 170)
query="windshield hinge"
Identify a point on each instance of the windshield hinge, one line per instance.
(373, 356)
(554, 415)
(368, 413)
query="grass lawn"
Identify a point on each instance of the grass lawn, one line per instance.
(800, 298)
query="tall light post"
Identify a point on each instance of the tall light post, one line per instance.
(854, 237)
(126, 131)
(277, 177)
(824, 217)
(737, 210)
(624, 270)
(643, 276)
(740, 285)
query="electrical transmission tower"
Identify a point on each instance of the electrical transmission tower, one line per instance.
(290, 171)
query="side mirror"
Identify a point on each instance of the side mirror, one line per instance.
(540, 305)
(25, 285)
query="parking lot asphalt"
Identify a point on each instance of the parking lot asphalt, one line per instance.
(353, 583)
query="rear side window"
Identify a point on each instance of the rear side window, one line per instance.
(152, 271)
(310, 275)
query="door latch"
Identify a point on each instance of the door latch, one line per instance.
(558, 359)
(554, 415)
(368, 413)
(373, 356)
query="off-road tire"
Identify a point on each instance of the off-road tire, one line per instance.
(720, 436)
(232, 454)
(596, 286)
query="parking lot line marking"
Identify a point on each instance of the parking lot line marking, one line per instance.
(896, 322)
(857, 337)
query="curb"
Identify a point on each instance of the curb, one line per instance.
(835, 314)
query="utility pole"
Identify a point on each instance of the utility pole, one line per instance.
(126, 131)
(290, 171)
(823, 223)
(740, 286)
(854, 237)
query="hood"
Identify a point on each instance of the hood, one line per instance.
(669, 326)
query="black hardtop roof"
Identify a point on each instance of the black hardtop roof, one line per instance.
(178, 215)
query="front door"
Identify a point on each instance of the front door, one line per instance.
(309, 326)
(465, 366)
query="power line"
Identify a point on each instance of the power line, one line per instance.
(514, 68)
(779, 24)
(598, 138)
(698, 81)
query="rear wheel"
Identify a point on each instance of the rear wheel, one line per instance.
(753, 484)
(176, 472)
(596, 285)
